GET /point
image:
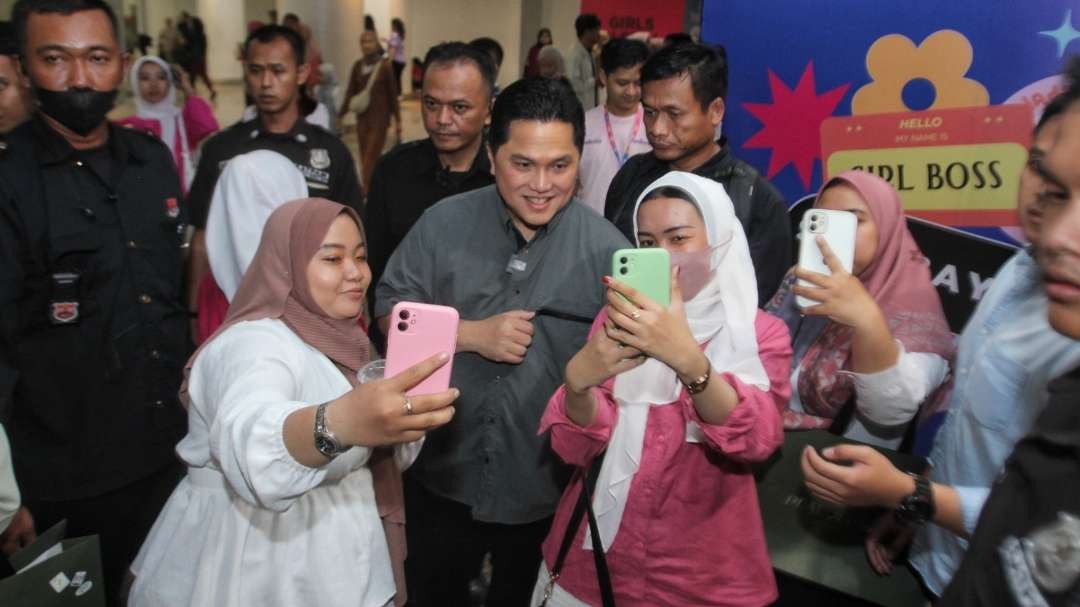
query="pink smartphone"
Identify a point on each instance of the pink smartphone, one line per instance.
(417, 332)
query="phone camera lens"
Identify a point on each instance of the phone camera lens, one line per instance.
(623, 271)
(402, 326)
(404, 314)
(623, 260)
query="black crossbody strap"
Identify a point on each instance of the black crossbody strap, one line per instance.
(583, 506)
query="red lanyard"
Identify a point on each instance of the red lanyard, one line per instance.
(625, 155)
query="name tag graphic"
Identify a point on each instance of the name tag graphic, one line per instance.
(957, 167)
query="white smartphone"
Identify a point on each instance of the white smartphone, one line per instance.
(838, 229)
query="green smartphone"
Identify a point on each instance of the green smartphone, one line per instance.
(647, 270)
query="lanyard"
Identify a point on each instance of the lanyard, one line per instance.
(625, 155)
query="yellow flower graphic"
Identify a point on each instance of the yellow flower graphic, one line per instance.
(893, 61)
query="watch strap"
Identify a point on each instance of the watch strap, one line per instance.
(698, 385)
(918, 507)
(325, 441)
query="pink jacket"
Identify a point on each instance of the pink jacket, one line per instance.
(691, 533)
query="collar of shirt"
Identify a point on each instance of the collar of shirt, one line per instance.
(300, 131)
(434, 167)
(54, 149)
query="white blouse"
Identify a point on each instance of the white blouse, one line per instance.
(249, 525)
(886, 401)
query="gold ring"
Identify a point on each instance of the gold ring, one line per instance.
(408, 406)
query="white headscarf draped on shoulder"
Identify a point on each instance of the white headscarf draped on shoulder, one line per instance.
(171, 117)
(249, 189)
(721, 314)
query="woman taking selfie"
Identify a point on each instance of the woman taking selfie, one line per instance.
(154, 84)
(282, 501)
(682, 398)
(877, 335)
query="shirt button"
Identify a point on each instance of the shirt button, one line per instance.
(144, 298)
(154, 354)
(159, 403)
(131, 244)
(78, 163)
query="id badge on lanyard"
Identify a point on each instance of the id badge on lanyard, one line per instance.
(621, 158)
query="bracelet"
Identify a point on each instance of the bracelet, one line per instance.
(697, 386)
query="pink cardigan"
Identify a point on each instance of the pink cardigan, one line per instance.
(691, 533)
(199, 123)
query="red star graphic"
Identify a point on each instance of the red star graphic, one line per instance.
(792, 123)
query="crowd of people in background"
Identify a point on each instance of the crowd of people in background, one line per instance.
(188, 314)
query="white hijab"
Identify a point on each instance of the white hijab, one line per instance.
(248, 190)
(166, 113)
(722, 314)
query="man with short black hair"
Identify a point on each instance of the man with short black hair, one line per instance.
(93, 330)
(582, 69)
(684, 91)
(455, 104)
(522, 262)
(274, 73)
(615, 130)
(1026, 547)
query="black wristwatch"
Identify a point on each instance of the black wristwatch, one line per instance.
(918, 507)
(325, 441)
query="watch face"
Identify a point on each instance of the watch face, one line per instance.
(325, 447)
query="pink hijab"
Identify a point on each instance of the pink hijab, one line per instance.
(898, 279)
(275, 286)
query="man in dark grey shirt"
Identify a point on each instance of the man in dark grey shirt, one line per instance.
(522, 262)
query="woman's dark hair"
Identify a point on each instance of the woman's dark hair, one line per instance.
(537, 99)
(540, 34)
(269, 33)
(369, 23)
(397, 25)
(22, 10)
(706, 66)
(622, 52)
(459, 52)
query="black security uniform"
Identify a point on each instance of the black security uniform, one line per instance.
(407, 181)
(320, 156)
(759, 207)
(1026, 547)
(93, 331)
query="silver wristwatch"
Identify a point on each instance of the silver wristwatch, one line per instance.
(325, 441)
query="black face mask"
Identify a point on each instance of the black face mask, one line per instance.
(81, 110)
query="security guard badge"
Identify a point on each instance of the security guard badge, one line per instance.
(64, 304)
(320, 158)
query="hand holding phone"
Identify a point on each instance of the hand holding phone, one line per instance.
(838, 230)
(648, 271)
(416, 332)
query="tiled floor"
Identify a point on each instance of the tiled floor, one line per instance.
(229, 106)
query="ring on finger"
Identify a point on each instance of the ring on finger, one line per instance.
(408, 406)
(636, 314)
